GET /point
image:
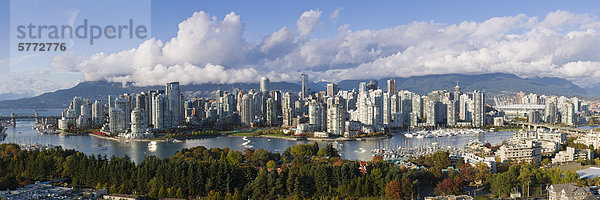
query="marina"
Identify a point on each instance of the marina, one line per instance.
(442, 133)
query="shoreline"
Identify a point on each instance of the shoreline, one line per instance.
(314, 139)
(127, 140)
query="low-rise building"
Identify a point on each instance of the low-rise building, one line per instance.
(528, 152)
(549, 141)
(568, 191)
(572, 154)
(591, 138)
(321, 134)
(473, 160)
(38, 191)
(498, 121)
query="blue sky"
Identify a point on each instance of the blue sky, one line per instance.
(263, 17)
(376, 37)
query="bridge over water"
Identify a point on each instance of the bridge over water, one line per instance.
(567, 129)
(13, 118)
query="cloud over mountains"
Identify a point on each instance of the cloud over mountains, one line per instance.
(211, 50)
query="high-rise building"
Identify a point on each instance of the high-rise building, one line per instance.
(431, 113)
(533, 116)
(76, 106)
(405, 107)
(97, 113)
(138, 122)
(395, 104)
(160, 111)
(387, 109)
(478, 109)
(288, 108)
(271, 112)
(372, 85)
(336, 118)
(519, 96)
(568, 114)
(362, 87)
(246, 110)
(117, 123)
(550, 111)
(264, 84)
(305, 92)
(417, 107)
(315, 115)
(463, 108)
(452, 114)
(376, 99)
(173, 104)
(332, 89)
(391, 86)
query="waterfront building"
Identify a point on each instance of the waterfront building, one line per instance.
(138, 122)
(336, 118)
(63, 123)
(117, 122)
(123, 104)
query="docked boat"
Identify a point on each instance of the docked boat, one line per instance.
(408, 135)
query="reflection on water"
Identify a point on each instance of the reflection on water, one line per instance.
(24, 134)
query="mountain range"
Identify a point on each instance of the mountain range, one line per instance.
(492, 84)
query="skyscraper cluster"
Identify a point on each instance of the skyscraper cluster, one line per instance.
(330, 112)
(129, 115)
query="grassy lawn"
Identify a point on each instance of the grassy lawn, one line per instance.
(241, 134)
(279, 135)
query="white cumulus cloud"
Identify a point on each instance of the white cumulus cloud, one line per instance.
(207, 49)
(307, 22)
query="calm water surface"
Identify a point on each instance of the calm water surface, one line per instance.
(24, 134)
